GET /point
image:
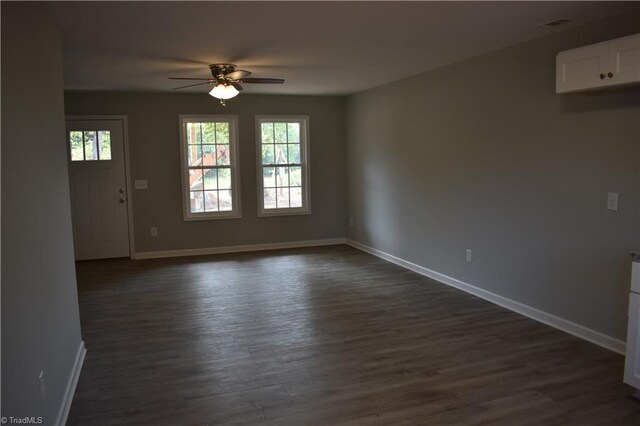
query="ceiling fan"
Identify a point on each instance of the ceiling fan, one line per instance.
(226, 81)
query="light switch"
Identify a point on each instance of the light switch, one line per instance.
(612, 201)
(140, 184)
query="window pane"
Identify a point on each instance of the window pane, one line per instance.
(280, 132)
(211, 201)
(104, 142)
(295, 176)
(294, 153)
(224, 178)
(195, 179)
(270, 198)
(224, 199)
(282, 197)
(77, 148)
(196, 202)
(194, 154)
(191, 138)
(194, 134)
(223, 155)
(267, 132)
(293, 132)
(296, 197)
(281, 154)
(222, 133)
(90, 146)
(268, 154)
(268, 177)
(208, 133)
(282, 176)
(208, 155)
(210, 179)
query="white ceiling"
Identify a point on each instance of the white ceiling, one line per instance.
(320, 48)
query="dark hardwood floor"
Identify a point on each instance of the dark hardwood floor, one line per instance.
(324, 336)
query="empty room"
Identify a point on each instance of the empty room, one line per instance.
(320, 213)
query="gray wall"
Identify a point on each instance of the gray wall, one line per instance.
(154, 149)
(484, 155)
(40, 321)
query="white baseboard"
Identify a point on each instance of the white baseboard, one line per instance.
(565, 325)
(63, 413)
(237, 249)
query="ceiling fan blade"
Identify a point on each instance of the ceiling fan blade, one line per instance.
(186, 78)
(262, 80)
(238, 74)
(191, 85)
(236, 85)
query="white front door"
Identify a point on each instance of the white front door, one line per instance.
(98, 188)
(632, 362)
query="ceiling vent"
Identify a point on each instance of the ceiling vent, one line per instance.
(556, 23)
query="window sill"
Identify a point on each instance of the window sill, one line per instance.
(196, 217)
(284, 212)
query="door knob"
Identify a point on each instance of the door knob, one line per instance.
(122, 200)
(601, 76)
(122, 189)
(610, 74)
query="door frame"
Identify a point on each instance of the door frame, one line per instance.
(124, 120)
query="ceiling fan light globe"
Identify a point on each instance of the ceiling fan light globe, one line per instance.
(217, 91)
(223, 91)
(230, 91)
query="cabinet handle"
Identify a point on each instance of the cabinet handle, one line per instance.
(601, 76)
(610, 75)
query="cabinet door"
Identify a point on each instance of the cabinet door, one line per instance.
(632, 362)
(624, 60)
(583, 68)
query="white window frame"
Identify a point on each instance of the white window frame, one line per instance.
(236, 211)
(303, 120)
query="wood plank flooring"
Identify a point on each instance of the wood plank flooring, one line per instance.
(324, 336)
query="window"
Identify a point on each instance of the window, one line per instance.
(209, 150)
(90, 145)
(283, 169)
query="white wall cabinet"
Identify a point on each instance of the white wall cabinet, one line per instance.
(598, 66)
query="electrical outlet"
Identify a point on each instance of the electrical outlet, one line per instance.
(468, 255)
(154, 231)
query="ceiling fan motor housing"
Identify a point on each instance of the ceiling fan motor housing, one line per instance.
(220, 70)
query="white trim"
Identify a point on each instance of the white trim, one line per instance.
(239, 249)
(127, 172)
(127, 167)
(63, 412)
(565, 325)
(305, 161)
(236, 209)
